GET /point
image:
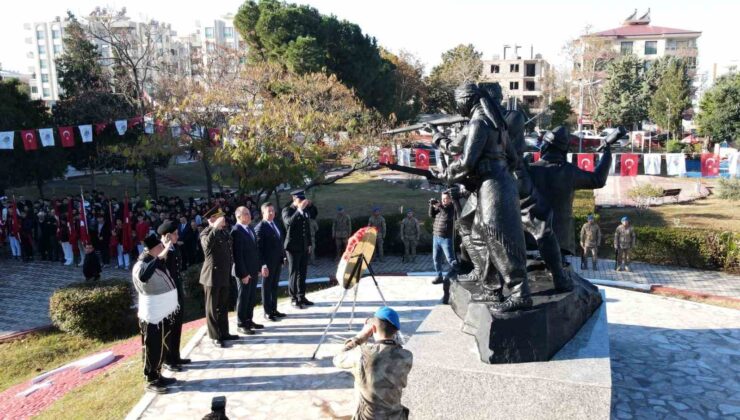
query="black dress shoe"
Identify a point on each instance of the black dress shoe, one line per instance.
(298, 305)
(219, 343)
(279, 314)
(156, 387)
(184, 361)
(172, 368)
(245, 330)
(306, 302)
(272, 318)
(437, 280)
(231, 337)
(166, 381)
(256, 326)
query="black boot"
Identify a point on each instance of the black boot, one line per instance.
(520, 298)
(446, 291)
(437, 280)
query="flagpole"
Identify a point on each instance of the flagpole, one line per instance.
(15, 220)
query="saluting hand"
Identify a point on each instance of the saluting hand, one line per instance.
(245, 280)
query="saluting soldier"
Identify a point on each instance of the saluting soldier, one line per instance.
(341, 229)
(410, 234)
(378, 222)
(215, 276)
(590, 240)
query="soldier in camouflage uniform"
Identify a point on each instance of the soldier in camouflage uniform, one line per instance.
(590, 240)
(378, 221)
(624, 240)
(410, 233)
(341, 229)
(380, 369)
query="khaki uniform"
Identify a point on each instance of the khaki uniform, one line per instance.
(314, 226)
(590, 240)
(341, 229)
(381, 372)
(625, 239)
(379, 223)
(410, 233)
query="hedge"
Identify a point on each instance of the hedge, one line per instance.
(101, 310)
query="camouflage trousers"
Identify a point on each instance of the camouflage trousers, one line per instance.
(341, 245)
(594, 251)
(379, 248)
(409, 249)
(623, 258)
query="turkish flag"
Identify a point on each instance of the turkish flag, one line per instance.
(30, 141)
(15, 230)
(385, 155)
(100, 127)
(709, 164)
(126, 241)
(67, 136)
(586, 161)
(422, 158)
(535, 156)
(213, 136)
(84, 234)
(159, 127)
(133, 122)
(628, 164)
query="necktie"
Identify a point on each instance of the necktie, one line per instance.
(249, 231)
(275, 228)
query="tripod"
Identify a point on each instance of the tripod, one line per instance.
(356, 275)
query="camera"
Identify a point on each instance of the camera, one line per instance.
(433, 201)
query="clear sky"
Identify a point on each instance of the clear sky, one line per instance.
(428, 28)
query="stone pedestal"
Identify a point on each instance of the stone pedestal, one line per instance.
(530, 335)
(448, 380)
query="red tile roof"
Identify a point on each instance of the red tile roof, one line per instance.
(643, 30)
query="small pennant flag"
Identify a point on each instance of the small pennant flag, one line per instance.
(709, 164)
(121, 126)
(29, 140)
(628, 164)
(149, 125)
(586, 161)
(213, 136)
(385, 155)
(86, 133)
(6, 140)
(422, 158)
(100, 127)
(160, 128)
(133, 122)
(47, 137)
(176, 130)
(67, 136)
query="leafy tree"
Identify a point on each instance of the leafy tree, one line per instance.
(18, 167)
(621, 101)
(672, 95)
(304, 41)
(589, 56)
(460, 64)
(409, 88)
(78, 68)
(719, 115)
(562, 112)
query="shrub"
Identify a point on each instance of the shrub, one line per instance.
(100, 310)
(413, 183)
(729, 189)
(645, 194)
(674, 146)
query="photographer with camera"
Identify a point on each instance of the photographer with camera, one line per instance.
(443, 215)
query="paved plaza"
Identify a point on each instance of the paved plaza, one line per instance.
(670, 359)
(25, 288)
(616, 191)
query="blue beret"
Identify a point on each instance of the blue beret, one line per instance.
(625, 219)
(387, 314)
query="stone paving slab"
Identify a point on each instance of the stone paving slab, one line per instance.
(271, 375)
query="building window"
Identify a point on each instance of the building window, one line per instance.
(43, 64)
(209, 33)
(57, 49)
(529, 86)
(44, 78)
(40, 34)
(228, 32)
(513, 85)
(651, 47)
(514, 68)
(47, 92)
(34, 89)
(530, 70)
(495, 68)
(626, 47)
(42, 49)
(56, 33)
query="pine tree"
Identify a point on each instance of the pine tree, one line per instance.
(719, 115)
(78, 68)
(672, 95)
(621, 101)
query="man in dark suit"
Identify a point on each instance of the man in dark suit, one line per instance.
(270, 247)
(297, 245)
(187, 242)
(215, 276)
(173, 261)
(246, 269)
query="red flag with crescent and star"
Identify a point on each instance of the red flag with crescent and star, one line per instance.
(422, 158)
(30, 141)
(709, 164)
(100, 127)
(628, 164)
(84, 234)
(134, 121)
(586, 161)
(385, 155)
(67, 136)
(535, 156)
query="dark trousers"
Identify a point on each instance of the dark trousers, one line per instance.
(173, 344)
(217, 311)
(154, 339)
(246, 298)
(270, 286)
(297, 264)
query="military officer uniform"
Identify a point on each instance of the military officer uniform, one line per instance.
(590, 240)
(625, 239)
(410, 234)
(378, 222)
(215, 277)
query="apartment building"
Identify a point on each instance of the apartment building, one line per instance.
(520, 77)
(44, 43)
